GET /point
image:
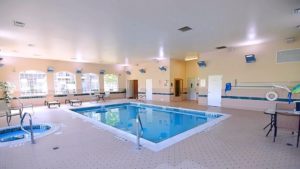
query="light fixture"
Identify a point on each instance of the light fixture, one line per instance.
(102, 72)
(189, 58)
(142, 70)
(78, 70)
(50, 69)
(128, 72)
(30, 45)
(250, 58)
(250, 42)
(201, 63)
(19, 24)
(163, 68)
(1, 64)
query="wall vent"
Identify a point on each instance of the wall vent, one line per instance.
(185, 29)
(288, 56)
(221, 47)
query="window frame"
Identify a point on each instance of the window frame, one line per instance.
(90, 90)
(67, 91)
(43, 90)
(114, 89)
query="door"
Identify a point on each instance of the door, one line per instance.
(129, 89)
(135, 89)
(132, 89)
(148, 89)
(192, 95)
(214, 96)
(177, 87)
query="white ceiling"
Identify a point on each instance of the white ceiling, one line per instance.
(108, 31)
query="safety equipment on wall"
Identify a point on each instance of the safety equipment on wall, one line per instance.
(271, 96)
(227, 87)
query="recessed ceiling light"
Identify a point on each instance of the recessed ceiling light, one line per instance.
(221, 47)
(19, 24)
(297, 11)
(31, 45)
(185, 29)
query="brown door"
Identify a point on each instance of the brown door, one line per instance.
(177, 88)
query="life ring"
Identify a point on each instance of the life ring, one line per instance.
(271, 96)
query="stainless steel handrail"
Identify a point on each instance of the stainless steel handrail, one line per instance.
(31, 129)
(139, 132)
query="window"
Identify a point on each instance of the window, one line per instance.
(111, 82)
(64, 83)
(90, 82)
(33, 83)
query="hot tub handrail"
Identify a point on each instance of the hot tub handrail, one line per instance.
(31, 129)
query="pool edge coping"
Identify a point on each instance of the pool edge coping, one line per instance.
(146, 143)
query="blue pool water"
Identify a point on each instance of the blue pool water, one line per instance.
(159, 123)
(16, 133)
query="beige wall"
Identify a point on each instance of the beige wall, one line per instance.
(160, 79)
(13, 66)
(178, 71)
(231, 64)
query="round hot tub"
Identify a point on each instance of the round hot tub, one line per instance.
(15, 134)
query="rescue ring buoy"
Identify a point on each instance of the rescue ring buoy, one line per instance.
(271, 96)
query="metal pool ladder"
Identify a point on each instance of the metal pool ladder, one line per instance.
(139, 132)
(31, 129)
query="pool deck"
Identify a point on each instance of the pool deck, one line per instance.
(237, 142)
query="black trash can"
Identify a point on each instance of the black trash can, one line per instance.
(297, 106)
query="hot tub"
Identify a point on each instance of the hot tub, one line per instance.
(15, 134)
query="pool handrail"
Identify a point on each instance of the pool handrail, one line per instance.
(138, 131)
(30, 123)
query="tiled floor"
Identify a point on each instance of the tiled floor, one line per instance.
(237, 142)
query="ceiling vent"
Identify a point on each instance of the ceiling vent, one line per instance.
(185, 29)
(19, 24)
(221, 47)
(288, 56)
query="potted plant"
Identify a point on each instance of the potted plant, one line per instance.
(7, 89)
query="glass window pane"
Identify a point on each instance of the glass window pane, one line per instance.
(90, 82)
(33, 83)
(64, 83)
(111, 82)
